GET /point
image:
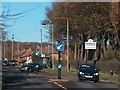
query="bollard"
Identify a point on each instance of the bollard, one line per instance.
(111, 72)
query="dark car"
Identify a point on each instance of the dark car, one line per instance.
(27, 67)
(5, 63)
(13, 62)
(40, 67)
(30, 67)
(88, 72)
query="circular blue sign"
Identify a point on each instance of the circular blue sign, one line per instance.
(37, 53)
(59, 66)
(59, 46)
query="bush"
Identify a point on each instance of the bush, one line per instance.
(110, 55)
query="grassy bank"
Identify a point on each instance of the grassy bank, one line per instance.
(73, 72)
(63, 71)
(109, 77)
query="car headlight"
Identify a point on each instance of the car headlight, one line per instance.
(26, 68)
(96, 73)
(81, 73)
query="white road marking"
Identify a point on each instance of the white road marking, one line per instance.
(60, 85)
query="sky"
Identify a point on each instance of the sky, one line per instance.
(27, 28)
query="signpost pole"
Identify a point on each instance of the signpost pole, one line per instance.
(86, 55)
(89, 45)
(59, 62)
(59, 48)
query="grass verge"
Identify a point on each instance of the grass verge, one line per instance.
(63, 71)
(109, 77)
(73, 72)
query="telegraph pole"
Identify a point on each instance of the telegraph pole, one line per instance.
(18, 49)
(12, 45)
(4, 49)
(52, 50)
(1, 40)
(41, 41)
(48, 47)
(68, 46)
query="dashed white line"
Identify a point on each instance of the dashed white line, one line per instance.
(60, 85)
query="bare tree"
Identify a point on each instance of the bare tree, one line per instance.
(6, 16)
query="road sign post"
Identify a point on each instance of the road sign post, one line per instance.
(59, 48)
(37, 53)
(59, 65)
(89, 45)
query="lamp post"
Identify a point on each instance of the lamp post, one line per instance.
(4, 49)
(52, 49)
(68, 64)
(1, 40)
(48, 47)
(18, 50)
(41, 40)
(12, 45)
(52, 28)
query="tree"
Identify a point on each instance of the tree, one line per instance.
(8, 19)
(88, 20)
(36, 58)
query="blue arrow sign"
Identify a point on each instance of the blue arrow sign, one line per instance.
(59, 46)
(59, 66)
(37, 53)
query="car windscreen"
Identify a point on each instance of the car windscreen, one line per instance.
(88, 67)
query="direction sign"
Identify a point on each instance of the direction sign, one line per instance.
(59, 46)
(90, 44)
(37, 53)
(59, 66)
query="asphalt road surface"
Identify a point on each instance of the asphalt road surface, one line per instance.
(14, 79)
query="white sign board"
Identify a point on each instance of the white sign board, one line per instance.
(90, 44)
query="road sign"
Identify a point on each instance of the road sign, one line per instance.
(90, 44)
(59, 66)
(59, 46)
(37, 53)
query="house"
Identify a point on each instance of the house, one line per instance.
(46, 52)
(24, 55)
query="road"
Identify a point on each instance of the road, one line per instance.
(45, 80)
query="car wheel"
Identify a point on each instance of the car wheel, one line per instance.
(22, 70)
(79, 78)
(96, 81)
(30, 70)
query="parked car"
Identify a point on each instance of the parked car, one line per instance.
(88, 72)
(30, 67)
(27, 67)
(5, 63)
(40, 66)
(13, 62)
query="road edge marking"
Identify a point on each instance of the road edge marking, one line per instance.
(60, 85)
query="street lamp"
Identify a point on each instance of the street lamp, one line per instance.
(44, 23)
(52, 48)
(41, 41)
(68, 64)
(12, 45)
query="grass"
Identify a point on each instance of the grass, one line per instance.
(63, 71)
(105, 76)
(73, 72)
